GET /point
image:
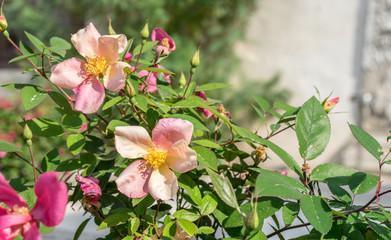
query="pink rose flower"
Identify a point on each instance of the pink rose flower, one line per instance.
(52, 198)
(165, 44)
(151, 79)
(167, 149)
(128, 56)
(102, 54)
(90, 187)
(204, 111)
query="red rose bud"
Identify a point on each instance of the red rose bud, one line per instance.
(329, 105)
(128, 56)
(3, 21)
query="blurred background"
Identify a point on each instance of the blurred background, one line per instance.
(280, 50)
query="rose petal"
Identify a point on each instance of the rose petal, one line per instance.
(90, 96)
(108, 48)
(89, 185)
(52, 198)
(132, 141)
(181, 158)
(163, 183)
(170, 130)
(121, 40)
(9, 196)
(150, 81)
(115, 77)
(10, 220)
(68, 74)
(86, 41)
(133, 181)
(159, 34)
(31, 231)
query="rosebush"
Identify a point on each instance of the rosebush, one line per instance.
(192, 179)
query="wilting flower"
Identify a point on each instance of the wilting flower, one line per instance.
(90, 186)
(151, 79)
(329, 105)
(52, 198)
(167, 149)
(165, 44)
(204, 111)
(102, 54)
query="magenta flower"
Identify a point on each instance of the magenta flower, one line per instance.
(128, 56)
(90, 187)
(102, 54)
(52, 198)
(167, 149)
(204, 111)
(165, 44)
(151, 79)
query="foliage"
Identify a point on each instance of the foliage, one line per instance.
(228, 194)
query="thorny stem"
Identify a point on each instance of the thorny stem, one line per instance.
(24, 159)
(188, 84)
(379, 182)
(141, 51)
(141, 117)
(102, 118)
(363, 208)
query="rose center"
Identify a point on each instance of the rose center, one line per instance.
(16, 210)
(164, 42)
(96, 65)
(155, 157)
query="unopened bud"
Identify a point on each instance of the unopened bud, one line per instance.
(128, 56)
(182, 81)
(3, 20)
(195, 60)
(27, 134)
(329, 105)
(145, 31)
(252, 220)
(111, 29)
(260, 153)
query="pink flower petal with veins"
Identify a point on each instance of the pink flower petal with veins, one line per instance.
(86, 41)
(133, 181)
(90, 96)
(89, 185)
(170, 130)
(68, 74)
(159, 34)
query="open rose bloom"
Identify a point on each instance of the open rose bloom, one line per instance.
(167, 150)
(165, 43)
(52, 198)
(102, 55)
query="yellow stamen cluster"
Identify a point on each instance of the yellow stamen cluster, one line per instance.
(165, 43)
(96, 65)
(19, 211)
(155, 157)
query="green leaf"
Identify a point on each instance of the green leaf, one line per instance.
(8, 147)
(75, 143)
(133, 226)
(270, 183)
(206, 157)
(338, 192)
(257, 235)
(197, 124)
(50, 161)
(312, 129)
(61, 101)
(169, 230)
(80, 229)
(74, 121)
(186, 214)
(211, 86)
(59, 46)
(29, 196)
(116, 123)
(141, 102)
(113, 220)
(367, 141)
(37, 43)
(159, 70)
(73, 164)
(18, 58)
(207, 143)
(223, 188)
(383, 232)
(191, 102)
(45, 127)
(263, 103)
(32, 96)
(208, 205)
(112, 102)
(147, 46)
(205, 230)
(191, 188)
(317, 212)
(290, 212)
(361, 182)
(189, 227)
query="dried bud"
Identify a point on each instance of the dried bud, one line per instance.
(111, 29)
(3, 20)
(260, 153)
(182, 81)
(27, 134)
(329, 105)
(195, 60)
(145, 31)
(221, 109)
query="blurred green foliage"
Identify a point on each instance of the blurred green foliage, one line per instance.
(213, 25)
